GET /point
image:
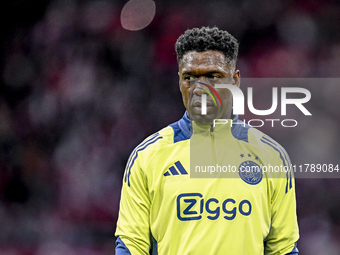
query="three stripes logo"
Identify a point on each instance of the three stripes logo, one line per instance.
(178, 169)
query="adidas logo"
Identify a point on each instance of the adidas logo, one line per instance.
(174, 171)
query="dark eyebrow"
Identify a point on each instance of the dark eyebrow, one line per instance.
(188, 72)
(205, 73)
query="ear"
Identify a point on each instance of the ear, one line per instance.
(237, 78)
(179, 82)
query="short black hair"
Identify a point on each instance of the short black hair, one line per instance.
(206, 38)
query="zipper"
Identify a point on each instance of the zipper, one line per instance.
(212, 140)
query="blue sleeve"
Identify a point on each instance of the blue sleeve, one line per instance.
(121, 249)
(295, 251)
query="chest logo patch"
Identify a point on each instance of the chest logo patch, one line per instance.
(250, 172)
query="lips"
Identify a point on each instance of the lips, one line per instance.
(199, 103)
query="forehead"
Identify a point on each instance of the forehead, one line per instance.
(203, 60)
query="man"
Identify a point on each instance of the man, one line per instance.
(167, 208)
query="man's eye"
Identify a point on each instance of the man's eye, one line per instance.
(216, 77)
(189, 78)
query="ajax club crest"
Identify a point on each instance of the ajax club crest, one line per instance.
(250, 172)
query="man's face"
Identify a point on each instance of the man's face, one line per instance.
(209, 67)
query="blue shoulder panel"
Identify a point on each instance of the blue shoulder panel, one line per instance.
(182, 128)
(240, 129)
(121, 249)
